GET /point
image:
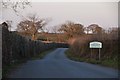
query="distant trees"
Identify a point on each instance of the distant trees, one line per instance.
(72, 29)
(95, 29)
(32, 26)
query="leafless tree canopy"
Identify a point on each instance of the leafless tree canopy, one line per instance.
(32, 25)
(71, 29)
(95, 28)
(21, 4)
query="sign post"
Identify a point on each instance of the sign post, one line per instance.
(96, 44)
(99, 53)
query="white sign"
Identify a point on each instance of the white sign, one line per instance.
(95, 44)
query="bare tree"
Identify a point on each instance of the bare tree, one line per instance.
(15, 5)
(72, 29)
(96, 29)
(32, 26)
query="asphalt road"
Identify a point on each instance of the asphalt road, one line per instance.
(57, 65)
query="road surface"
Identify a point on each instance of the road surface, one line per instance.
(57, 65)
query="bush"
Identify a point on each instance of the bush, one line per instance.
(79, 47)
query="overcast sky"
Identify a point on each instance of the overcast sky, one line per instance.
(104, 14)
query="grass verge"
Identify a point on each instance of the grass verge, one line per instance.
(107, 62)
(7, 69)
(42, 55)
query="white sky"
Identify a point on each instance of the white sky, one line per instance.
(103, 13)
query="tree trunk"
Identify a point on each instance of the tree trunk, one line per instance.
(33, 37)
